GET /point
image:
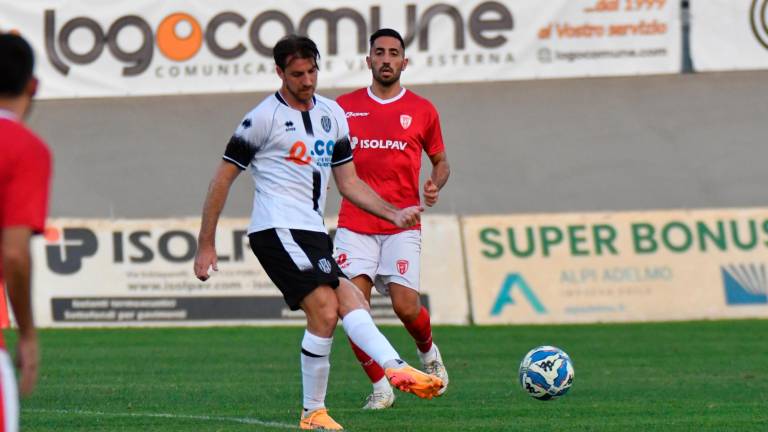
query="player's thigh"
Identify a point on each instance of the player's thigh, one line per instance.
(356, 254)
(365, 285)
(400, 261)
(350, 297)
(296, 261)
(9, 402)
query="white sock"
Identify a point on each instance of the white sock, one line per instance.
(315, 367)
(428, 356)
(359, 326)
(382, 386)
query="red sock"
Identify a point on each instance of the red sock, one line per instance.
(421, 330)
(371, 368)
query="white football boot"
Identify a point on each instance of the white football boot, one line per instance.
(432, 362)
(380, 400)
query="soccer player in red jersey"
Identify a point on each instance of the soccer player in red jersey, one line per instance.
(389, 128)
(25, 170)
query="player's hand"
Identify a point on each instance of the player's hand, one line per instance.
(204, 259)
(27, 359)
(408, 217)
(431, 192)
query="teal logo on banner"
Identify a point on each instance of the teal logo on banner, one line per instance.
(745, 284)
(515, 283)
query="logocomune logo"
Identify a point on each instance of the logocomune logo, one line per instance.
(757, 19)
(485, 24)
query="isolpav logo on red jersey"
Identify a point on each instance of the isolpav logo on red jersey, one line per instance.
(381, 144)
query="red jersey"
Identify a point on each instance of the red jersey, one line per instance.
(25, 171)
(387, 139)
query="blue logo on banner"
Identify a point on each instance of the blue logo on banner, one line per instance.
(505, 295)
(745, 284)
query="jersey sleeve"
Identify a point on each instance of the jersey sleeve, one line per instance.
(342, 149)
(342, 152)
(433, 135)
(26, 201)
(247, 140)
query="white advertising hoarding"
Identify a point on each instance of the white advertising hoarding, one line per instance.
(620, 266)
(93, 48)
(139, 272)
(729, 34)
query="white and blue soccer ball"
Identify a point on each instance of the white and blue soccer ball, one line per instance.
(546, 372)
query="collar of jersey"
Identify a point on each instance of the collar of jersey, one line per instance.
(282, 101)
(9, 115)
(386, 101)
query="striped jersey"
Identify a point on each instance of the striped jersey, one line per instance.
(290, 154)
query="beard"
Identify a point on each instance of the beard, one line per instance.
(302, 94)
(386, 82)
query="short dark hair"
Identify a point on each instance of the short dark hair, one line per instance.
(387, 32)
(294, 46)
(16, 64)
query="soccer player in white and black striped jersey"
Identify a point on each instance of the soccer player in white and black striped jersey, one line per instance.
(291, 143)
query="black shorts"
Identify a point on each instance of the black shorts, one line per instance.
(297, 261)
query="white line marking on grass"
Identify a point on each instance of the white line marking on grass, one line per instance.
(244, 420)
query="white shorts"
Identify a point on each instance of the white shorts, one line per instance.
(385, 258)
(9, 404)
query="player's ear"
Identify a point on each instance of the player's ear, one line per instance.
(368, 62)
(280, 73)
(405, 63)
(31, 88)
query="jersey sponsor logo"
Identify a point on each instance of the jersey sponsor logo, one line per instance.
(378, 144)
(405, 121)
(324, 265)
(325, 122)
(321, 152)
(402, 266)
(357, 114)
(289, 127)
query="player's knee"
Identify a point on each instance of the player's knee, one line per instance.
(350, 298)
(325, 319)
(329, 318)
(346, 307)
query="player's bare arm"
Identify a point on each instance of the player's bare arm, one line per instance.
(17, 264)
(218, 191)
(441, 170)
(360, 194)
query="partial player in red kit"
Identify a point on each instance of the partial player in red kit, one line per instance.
(25, 170)
(390, 127)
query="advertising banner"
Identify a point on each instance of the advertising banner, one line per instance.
(729, 34)
(139, 272)
(627, 266)
(92, 48)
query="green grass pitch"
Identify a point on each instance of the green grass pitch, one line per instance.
(692, 376)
